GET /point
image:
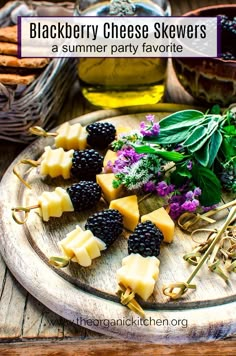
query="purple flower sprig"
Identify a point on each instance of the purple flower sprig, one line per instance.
(125, 159)
(184, 201)
(162, 188)
(150, 128)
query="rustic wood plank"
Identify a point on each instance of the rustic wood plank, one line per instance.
(101, 347)
(42, 323)
(12, 304)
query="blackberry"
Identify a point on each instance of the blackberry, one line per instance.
(84, 194)
(86, 164)
(228, 24)
(228, 56)
(145, 240)
(100, 134)
(228, 178)
(107, 225)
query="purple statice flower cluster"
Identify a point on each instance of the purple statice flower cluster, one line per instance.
(161, 188)
(181, 202)
(125, 158)
(150, 128)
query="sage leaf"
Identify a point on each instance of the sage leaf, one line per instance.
(175, 128)
(208, 182)
(211, 127)
(198, 145)
(167, 137)
(182, 118)
(197, 134)
(214, 146)
(168, 155)
(202, 155)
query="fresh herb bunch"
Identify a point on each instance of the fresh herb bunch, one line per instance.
(188, 157)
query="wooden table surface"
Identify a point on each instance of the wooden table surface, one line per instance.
(27, 327)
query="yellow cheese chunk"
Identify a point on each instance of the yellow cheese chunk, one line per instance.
(71, 137)
(163, 221)
(139, 274)
(92, 248)
(53, 204)
(56, 162)
(66, 203)
(110, 156)
(105, 182)
(82, 257)
(65, 243)
(128, 207)
(81, 246)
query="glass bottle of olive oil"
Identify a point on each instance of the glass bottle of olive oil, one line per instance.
(117, 82)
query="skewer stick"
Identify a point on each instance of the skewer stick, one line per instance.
(176, 290)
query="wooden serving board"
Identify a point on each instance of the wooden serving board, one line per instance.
(87, 296)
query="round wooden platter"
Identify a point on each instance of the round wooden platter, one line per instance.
(87, 296)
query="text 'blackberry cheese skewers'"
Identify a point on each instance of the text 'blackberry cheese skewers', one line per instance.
(83, 164)
(101, 231)
(97, 135)
(77, 197)
(140, 269)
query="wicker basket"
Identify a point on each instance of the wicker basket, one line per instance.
(42, 99)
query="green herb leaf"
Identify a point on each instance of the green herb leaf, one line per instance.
(183, 171)
(202, 155)
(228, 147)
(196, 135)
(169, 137)
(207, 154)
(230, 130)
(176, 127)
(214, 146)
(168, 155)
(208, 182)
(211, 126)
(184, 118)
(117, 181)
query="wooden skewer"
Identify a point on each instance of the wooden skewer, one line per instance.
(127, 298)
(187, 220)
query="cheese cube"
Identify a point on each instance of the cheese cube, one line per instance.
(128, 207)
(82, 257)
(66, 203)
(56, 162)
(53, 204)
(71, 137)
(110, 156)
(163, 221)
(106, 183)
(64, 244)
(81, 246)
(139, 274)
